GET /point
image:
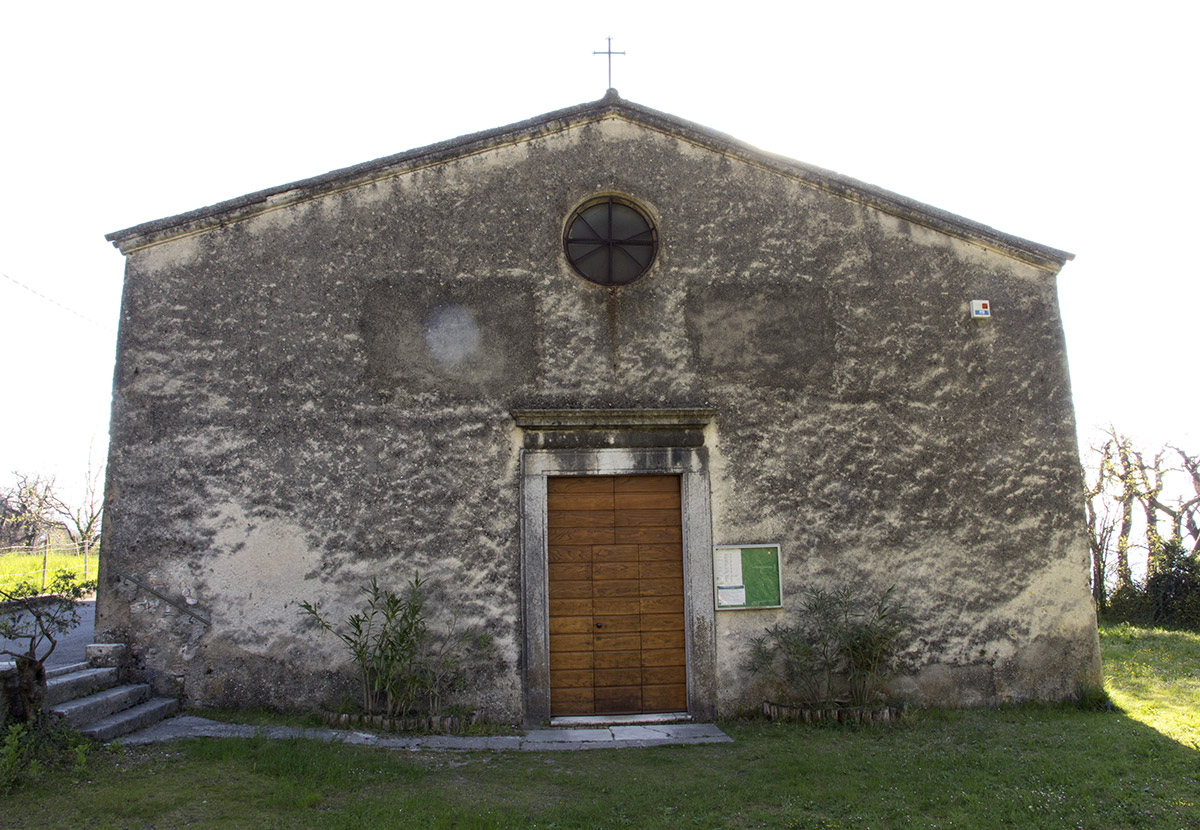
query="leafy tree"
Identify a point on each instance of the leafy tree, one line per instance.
(39, 621)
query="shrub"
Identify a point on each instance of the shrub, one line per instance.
(1170, 597)
(29, 751)
(1130, 604)
(382, 640)
(1174, 590)
(403, 664)
(838, 645)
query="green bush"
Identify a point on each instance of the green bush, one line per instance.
(30, 752)
(1174, 590)
(1169, 598)
(404, 665)
(1129, 604)
(839, 646)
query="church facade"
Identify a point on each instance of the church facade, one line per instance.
(558, 368)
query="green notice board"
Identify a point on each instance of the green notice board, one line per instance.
(747, 576)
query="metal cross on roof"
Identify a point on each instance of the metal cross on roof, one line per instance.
(610, 53)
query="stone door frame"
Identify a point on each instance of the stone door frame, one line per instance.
(691, 465)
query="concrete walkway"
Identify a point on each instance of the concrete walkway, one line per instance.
(608, 737)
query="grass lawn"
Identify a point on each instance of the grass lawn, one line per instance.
(1009, 767)
(22, 567)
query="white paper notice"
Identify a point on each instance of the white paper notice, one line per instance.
(727, 569)
(731, 595)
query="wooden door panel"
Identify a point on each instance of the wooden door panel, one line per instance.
(583, 518)
(618, 700)
(571, 642)
(572, 660)
(615, 570)
(580, 501)
(571, 702)
(662, 622)
(663, 552)
(646, 518)
(628, 624)
(618, 677)
(617, 642)
(646, 501)
(665, 698)
(580, 484)
(616, 553)
(582, 536)
(645, 535)
(617, 660)
(662, 605)
(568, 571)
(572, 625)
(645, 484)
(662, 657)
(663, 639)
(614, 588)
(566, 553)
(661, 570)
(570, 607)
(619, 606)
(572, 590)
(666, 675)
(615, 574)
(657, 587)
(571, 679)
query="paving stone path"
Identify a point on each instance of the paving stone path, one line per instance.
(608, 737)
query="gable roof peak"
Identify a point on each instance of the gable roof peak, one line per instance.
(611, 105)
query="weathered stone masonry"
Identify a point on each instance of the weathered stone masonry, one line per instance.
(317, 384)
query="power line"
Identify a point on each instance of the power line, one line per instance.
(51, 300)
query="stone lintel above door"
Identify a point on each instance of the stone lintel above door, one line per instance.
(612, 428)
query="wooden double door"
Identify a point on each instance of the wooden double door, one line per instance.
(615, 551)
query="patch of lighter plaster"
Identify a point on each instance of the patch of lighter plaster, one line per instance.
(451, 335)
(964, 250)
(173, 253)
(255, 578)
(274, 218)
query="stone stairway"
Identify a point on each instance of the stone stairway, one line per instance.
(92, 699)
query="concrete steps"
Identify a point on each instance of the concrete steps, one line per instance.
(70, 685)
(95, 707)
(92, 700)
(132, 719)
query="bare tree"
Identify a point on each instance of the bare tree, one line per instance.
(1119, 459)
(1149, 478)
(1187, 515)
(82, 520)
(30, 508)
(1132, 501)
(1100, 525)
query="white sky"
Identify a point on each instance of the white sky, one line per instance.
(1070, 124)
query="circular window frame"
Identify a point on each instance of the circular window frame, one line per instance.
(609, 262)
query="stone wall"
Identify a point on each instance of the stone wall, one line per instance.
(316, 394)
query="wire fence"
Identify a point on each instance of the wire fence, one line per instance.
(39, 564)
